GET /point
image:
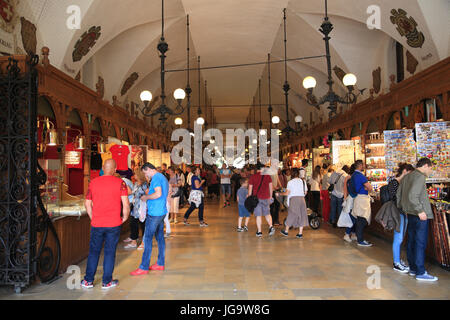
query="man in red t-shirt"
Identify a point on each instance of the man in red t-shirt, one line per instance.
(107, 196)
(260, 184)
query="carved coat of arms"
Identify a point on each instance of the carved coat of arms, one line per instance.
(8, 15)
(376, 75)
(28, 33)
(407, 27)
(85, 43)
(100, 86)
(411, 63)
(129, 83)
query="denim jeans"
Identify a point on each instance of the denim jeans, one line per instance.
(360, 224)
(417, 243)
(154, 226)
(192, 208)
(336, 208)
(353, 228)
(109, 236)
(398, 238)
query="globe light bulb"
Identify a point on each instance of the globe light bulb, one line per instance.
(200, 121)
(179, 94)
(298, 119)
(309, 82)
(349, 79)
(178, 121)
(146, 96)
(276, 120)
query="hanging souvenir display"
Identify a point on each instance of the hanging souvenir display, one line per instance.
(400, 147)
(433, 142)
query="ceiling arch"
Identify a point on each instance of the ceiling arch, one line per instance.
(234, 32)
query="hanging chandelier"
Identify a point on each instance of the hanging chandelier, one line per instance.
(146, 96)
(349, 80)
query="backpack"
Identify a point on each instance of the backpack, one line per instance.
(351, 187)
(384, 194)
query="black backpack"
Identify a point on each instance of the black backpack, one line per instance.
(384, 194)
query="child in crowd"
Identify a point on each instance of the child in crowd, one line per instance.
(243, 212)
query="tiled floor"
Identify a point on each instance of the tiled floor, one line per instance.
(219, 263)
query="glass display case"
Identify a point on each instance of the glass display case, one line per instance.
(50, 191)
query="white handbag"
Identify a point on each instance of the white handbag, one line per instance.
(142, 211)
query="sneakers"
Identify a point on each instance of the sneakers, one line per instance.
(271, 231)
(240, 229)
(203, 225)
(347, 238)
(299, 236)
(138, 272)
(259, 234)
(186, 223)
(228, 203)
(224, 204)
(155, 267)
(412, 273)
(141, 247)
(130, 246)
(127, 240)
(399, 267)
(284, 233)
(245, 228)
(87, 285)
(110, 285)
(426, 277)
(166, 235)
(364, 244)
(354, 237)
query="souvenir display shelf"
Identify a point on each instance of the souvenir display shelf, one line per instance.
(375, 161)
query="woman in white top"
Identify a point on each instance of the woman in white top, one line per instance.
(297, 214)
(314, 182)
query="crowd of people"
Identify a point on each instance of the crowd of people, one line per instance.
(152, 197)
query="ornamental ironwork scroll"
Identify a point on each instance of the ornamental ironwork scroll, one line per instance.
(20, 176)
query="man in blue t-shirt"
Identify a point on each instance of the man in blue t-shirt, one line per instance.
(154, 224)
(361, 207)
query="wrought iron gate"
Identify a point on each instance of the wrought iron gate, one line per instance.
(20, 177)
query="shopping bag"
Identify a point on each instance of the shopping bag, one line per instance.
(142, 211)
(345, 221)
(347, 205)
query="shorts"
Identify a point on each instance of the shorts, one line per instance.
(263, 208)
(243, 212)
(226, 188)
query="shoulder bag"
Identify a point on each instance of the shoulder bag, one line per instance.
(252, 201)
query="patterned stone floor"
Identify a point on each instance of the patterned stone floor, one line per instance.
(219, 263)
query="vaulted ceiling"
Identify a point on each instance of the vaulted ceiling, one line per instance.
(235, 32)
